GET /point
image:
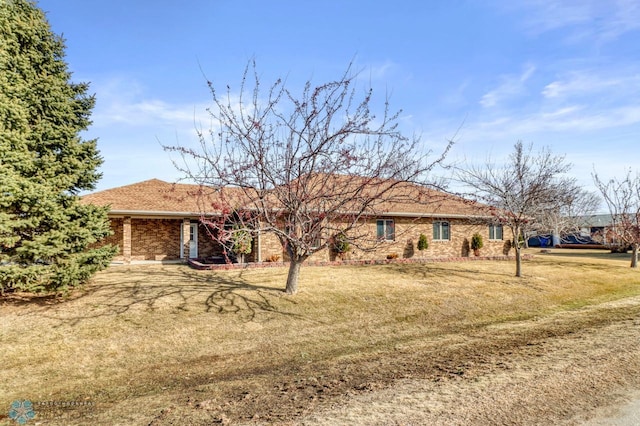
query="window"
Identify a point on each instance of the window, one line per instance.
(495, 232)
(386, 230)
(441, 231)
(316, 241)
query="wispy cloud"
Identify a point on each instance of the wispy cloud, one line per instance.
(584, 20)
(546, 15)
(510, 87)
(458, 96)
(146, 112)
(625, 18)
(381, 71)
(607, 86)
(576, 119)
(125, 113)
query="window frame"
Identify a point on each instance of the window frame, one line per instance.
(317, 242)
(438, 225)
(493, 227)
(386, 235)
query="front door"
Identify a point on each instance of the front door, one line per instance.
(193, 240)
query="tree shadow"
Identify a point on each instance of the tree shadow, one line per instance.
(430, 271)
(408, 252)
(465, 250)
(19, 298)
(170, 289)
(581, 254)
(506, 247)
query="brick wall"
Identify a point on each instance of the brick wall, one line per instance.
(270, 246)
(408, 232)
(159, 239)
(405, 245)
(155, 239)
(115, 238)
(206, 245)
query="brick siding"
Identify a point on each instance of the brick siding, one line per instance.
(159, 239)
(155, 239)
(405, 246)
(115, 239)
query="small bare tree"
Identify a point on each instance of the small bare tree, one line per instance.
(308, 168)
(524, 189)
(568, 214)
(623, 200)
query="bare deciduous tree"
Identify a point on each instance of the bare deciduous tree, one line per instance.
(528, 186)
(308, 168)
(623, 200)
(568, 214)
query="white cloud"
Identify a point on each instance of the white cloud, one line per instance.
(381, 71)
(511, 86)
(576, 119)
(148, 112)
(457, 97)
(546, 15)
(123, 102)
(625, 18)
(588, 83)
(584, 20)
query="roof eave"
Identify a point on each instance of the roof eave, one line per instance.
(175, 214)
(436, 215)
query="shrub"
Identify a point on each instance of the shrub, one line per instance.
(241, 242)
(423, 244)
(476, 242)
(341, 244)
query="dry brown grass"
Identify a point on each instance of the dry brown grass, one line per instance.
(154, 344)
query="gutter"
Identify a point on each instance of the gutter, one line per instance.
(172, 214)
(176, 214)
(436, 215)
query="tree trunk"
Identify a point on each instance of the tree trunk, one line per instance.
(292, 277)
(634, 256)
(515, 230)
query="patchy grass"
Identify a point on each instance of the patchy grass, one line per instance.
(150, 344)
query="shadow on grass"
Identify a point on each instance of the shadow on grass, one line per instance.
(585, 259)
(430, 271)
(582, 254)
(168, 289)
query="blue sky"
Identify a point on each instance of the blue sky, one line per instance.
(558, 73)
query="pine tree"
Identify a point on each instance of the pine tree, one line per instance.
(46, 235)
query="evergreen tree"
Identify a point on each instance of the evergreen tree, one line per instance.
(46, 235)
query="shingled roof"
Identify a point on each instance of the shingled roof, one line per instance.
(392, 197)
(158, 198)
(155, 197)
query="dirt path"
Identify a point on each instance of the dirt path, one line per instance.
(565, 369)
(625, 414)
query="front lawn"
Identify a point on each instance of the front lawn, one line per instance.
(151, 343)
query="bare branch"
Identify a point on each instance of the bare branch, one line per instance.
(306, 167)
(523, 192)
(623, 200)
